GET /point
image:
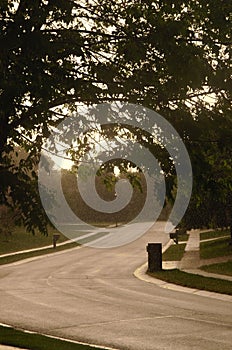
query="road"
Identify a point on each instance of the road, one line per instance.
(91, 295)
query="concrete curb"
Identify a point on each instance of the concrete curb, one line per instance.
(140, 273)
(35, 249)
(208, 274)
(42, 256)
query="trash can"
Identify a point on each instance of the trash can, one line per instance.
(154, 257)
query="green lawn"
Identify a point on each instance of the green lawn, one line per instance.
(211, 249)
(214, 234)
(21, 240)
(13, 337)
(174, 253)
(216, 248)
(222, 268)
(183, 238)
(21, 256)
(194, 281)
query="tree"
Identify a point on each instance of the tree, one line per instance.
(211, 203)
(55, 54)
(7, 217)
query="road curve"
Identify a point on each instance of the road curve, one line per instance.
(91, 295)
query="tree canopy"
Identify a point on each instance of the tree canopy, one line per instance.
(171, 56)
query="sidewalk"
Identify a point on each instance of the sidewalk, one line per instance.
(191, 256)
(191, 261)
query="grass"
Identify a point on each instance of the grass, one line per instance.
(222, 268)
(214, 234)
(212, 249)
(194, 281)
(13, 337)
(21, 256)
(174, 252)
(183, 237)
(216, 248)
(21, 240)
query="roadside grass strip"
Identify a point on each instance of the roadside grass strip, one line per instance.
(194, 281)
(34, 341)
(215, 248)
(20, 239)
(220, 268)
(214, 234)
(20, 256)
(174, 252)
(183, 237)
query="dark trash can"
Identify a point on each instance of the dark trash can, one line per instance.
(154, 257)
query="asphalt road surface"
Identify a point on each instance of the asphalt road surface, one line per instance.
(91, 295)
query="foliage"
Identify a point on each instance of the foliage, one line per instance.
(211, 203)
(105, 187)
(7, 218)
(166, 55)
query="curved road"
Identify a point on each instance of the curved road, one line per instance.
(91, 295)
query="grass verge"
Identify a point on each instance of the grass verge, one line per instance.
(194, 281)
(21, 256)
(221, 268)
(216, 248)
(20, 239)
(183, 237)
(214, 234)
(13, 337)
(174, 252)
